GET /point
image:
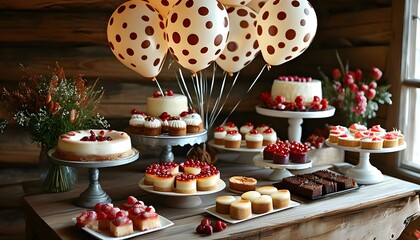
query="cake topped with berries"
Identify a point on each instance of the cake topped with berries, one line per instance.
(290, 87)
(94, 145)
(173, 104)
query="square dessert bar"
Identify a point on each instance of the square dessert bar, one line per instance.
(302, 186)
(343, 182)
(327, 185)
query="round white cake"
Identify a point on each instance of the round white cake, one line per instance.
(291, 89)
(174, 105)
(93, 145)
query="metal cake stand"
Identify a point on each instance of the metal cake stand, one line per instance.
(167, 142)
(364, 172)
(94, 193)
(295, 118)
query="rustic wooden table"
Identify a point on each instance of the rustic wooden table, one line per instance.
(379, 211)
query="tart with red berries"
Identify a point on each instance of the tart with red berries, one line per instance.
(186, 183)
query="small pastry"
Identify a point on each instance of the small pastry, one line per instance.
(356, 127)
(269, 136)
(246, 128)
(254, 139)
(233, 139)
(219, 135)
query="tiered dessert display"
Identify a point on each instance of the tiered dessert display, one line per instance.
(366, 141)
(167, 122)
(294, 98)
(182, 184)
(93, 149)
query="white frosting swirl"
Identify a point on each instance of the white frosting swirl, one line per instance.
(193, 119)
(152, 123)
(233, 137)
(177, 124)
(254, 137)
(136, 120)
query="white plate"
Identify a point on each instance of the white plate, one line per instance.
(164, 223)
(361, 150)
(149, 188)
(243, 147)
(295, 114)
(227, 218)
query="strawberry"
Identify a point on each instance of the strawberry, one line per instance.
(219, 226)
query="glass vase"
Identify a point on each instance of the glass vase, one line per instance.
(54, 177)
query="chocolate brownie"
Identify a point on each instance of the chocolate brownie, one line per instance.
(327, 185)
(343, 182)
(302, 186)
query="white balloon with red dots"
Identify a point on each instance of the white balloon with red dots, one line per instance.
(136, 36)
(197, 31)
(229, 3)
(163, 6)
(242, 44)
(285, 29)
(256, 5)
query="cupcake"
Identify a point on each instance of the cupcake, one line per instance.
(338, 127)
(390, 140)
(219, 135)
(254, 139)
(334, 134)
(230, 126)
(378, 130)
(281, 156)
(269, 136)
(262, 127)
(246, 128)
(152, 126)
(374, 143)
(298, 152)
(232, 139)
(193, 121)
(269, 150)
(136, 122)
(177, 127)
(164, 120)
(356, 127)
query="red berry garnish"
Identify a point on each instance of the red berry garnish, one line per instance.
(299, 100)
(200, 229)
(219, 226)
(134, 111)
(206, 221)
(169, 92)
(156, 94)
(131, 200)
(208, 229)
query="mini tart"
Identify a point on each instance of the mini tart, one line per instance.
(164, 182)
(364, 134)
(334, 134)
(246, 128)
(347, 140)
(171, 167)
(356, 127)
(254, 139)
(261, 128)
(242, 184)
(240, 209)
(88, 219)
(390, 140)
(399, 136)
(262, 204)
(281, 198)
(269, 136)
(378, 130)
(230, 126)
(150, 173)
(374, 143)
(152, 126)
(177, 127)
(266, 190)
(233, 139)
(186, 183)
(219, 135)
(223, 204)
(208, 179)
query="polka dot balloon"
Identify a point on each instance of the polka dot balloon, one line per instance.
(136, 36)
(256, 5)
(242, 44)
(196, 32)
(234, 2)
(285, 29)
(163, 6)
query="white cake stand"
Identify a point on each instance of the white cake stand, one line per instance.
(364, 172)
(94, 193)
(167, 142)
(240, 155)
(280, 171)
(295, 118)
(182, 200)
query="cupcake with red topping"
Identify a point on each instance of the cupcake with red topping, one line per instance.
(356, 127)
(136, 121)
(152, 126)
(233, 139)
(378, 130)
(399, 136)
(269, 136)
(364, 134)
(164, 120)
(298, 152)
(262, 127)
(193, 120)
(230, 126)
(177, 127)
(219, 135)
(246, 128)
(269, 150)
(281, 156)
(254, 139)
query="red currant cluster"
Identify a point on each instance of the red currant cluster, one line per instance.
(279, 103)
(207, 227)
(315, 141)
(296, 147)
(295, 79)
(157, 94)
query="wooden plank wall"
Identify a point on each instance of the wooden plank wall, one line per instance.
(39, 33)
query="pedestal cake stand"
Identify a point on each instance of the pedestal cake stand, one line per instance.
(167, 142)
(94, 193)
(181, 200)
(295, 118)
(241, 155)
(280, 171)
(364, 172)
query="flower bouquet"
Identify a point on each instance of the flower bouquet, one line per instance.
(355, 93)
(49, 106)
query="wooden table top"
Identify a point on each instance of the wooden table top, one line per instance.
(51, 214)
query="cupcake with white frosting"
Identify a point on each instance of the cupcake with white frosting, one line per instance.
(152, 126)
(269, 136)
(254, 139)
(233, 139)
(136, 122)
(246, 128)
(194, 122)
(177, 127)
(219, 135)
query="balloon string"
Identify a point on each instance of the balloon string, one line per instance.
(216, 104)
(157, 83)
(210, 93)
(249, 89)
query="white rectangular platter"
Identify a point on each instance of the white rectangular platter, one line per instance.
(227, 218)
(164, 223)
